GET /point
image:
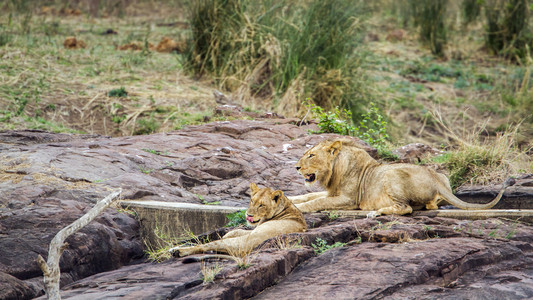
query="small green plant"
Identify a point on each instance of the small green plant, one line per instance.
(120, 92)
(236, 218)
(145, 171)
(336, 121)
(205, 202)
(494, 233)
(155, 152)
(512, 232)
(127, 211)
(147, 126)
(427, 228)
(332, 215)
(322, 246)
(373, 128)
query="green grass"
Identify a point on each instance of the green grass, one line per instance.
(40, 73)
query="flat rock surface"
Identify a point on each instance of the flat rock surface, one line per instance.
(49, 180)
(384, 258)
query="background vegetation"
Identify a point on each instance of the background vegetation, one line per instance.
(451, 74)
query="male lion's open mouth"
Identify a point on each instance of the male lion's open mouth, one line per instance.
(310, 177)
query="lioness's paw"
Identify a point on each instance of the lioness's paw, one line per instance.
(181, 251)
(372, 214)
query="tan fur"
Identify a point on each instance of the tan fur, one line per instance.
(270, 211)
(354, 180)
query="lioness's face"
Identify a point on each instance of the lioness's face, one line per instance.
(317, 162)
(263, 204)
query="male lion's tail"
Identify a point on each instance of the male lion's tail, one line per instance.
(453, 200)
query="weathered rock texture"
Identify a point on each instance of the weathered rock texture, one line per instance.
(389, 257)
(49, 180)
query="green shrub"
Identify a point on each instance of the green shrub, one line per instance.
(372, 127)
(236, 218)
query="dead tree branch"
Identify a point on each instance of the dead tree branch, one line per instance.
(50, 267)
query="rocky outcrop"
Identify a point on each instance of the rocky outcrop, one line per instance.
(48, 180)
(388, 257)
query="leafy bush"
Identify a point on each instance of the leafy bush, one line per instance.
(237, 218)
(372, 127)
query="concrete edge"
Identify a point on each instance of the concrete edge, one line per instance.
(180, 206)
(523, 215)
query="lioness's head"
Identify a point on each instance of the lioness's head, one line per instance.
(317, 162)
(264, 204)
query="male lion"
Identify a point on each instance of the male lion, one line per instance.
(354, 180)
(270, 211)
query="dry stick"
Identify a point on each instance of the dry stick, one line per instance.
(57, 246)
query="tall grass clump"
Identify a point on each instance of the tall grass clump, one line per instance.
(319, 51)
(471, 9)
(216, 26)
(429, 16)
(476, 161)
(279, 51)
(507, 31)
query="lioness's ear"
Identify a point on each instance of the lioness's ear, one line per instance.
(335, 147)
(276, 195)
(254, 187)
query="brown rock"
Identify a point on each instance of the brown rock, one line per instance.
(435, 258)
(48, 180)
(135, 46)
(168, 45)
(73, 43)
(415, 153)
(396, 35)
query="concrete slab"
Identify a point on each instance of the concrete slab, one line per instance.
(176, 220)
(523, 215)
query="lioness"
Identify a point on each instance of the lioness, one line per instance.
(272, 214)
(354, 180)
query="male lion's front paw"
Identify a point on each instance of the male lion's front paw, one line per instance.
(372, 214)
